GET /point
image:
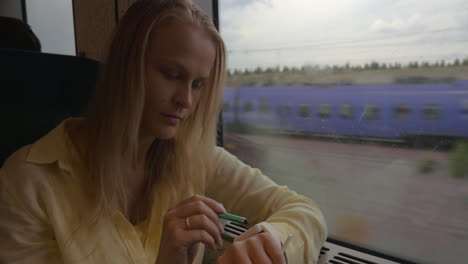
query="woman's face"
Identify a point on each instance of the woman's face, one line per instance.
(178, 65)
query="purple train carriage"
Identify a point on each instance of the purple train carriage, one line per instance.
(374, 112)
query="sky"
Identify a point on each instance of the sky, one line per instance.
(52, 22)
(270, 33)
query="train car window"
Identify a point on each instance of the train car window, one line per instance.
(371, 112)
(346, 111)
(226, 107)
(247, 107)
(431, 112)
(304, 110)
(378, 130)
(324, 110)
(284, 110)
(55, 30)
(401, 112)
(465, 107)
(263, 106)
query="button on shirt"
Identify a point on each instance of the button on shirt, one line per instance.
(42, 200)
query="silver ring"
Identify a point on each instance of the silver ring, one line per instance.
(187, 223)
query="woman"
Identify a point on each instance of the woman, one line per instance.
(139, 179)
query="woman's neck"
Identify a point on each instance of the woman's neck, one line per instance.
(137, 194)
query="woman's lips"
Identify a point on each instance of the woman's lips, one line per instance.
(172, 119)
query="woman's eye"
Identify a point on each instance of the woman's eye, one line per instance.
(197, 85)
(171, 75)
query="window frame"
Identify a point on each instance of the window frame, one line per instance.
(464, 107)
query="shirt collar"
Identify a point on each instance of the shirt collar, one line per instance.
(56, 146)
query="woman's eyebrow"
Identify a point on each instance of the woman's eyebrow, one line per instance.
(174, 63)
(181, 67)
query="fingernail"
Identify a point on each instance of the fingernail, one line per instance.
(222, 244)
(221, 207)
(221, 227)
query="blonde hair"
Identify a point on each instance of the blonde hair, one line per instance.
(115, 112)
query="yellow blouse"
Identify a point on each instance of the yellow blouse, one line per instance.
(41, 199)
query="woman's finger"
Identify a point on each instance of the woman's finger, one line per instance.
(194, 236)
(196, 208)
(236, 253)
(215, 206)
(256, 251)
(201, 221)
(272, 247)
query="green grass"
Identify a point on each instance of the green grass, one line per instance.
(427, 166)
(325, 78)
(458, 160)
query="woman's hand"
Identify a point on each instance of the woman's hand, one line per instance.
(192, 221)
(262, 248)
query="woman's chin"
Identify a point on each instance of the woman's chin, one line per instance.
(165, 134)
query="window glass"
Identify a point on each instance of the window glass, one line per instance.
(264, 106)
(431, 112)
(401, 112)
(304, 110)
(248, 107)
(226, 107)
(324, 110)
(389, 169)
(52, 22)
(465, 106)
(284, 109)
(371, 112)
(346, 111)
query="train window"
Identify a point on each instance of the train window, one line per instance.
(371, 112)
(284, 109)
(264, 106)
(324, 110)
(247, 107)
(381, 159)
(304, 110)
(55, 30)
(465, 106)
(346, 111)
(226, 107)
(401, 112)
(431, 112)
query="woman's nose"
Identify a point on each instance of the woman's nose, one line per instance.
(183, 97)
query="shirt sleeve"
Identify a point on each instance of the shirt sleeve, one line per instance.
(24, 238)
(245, 191)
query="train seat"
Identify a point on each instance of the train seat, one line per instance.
(38, 91)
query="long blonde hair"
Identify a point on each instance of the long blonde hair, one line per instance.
(115, 112)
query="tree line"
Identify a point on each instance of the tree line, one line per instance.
(373, 65)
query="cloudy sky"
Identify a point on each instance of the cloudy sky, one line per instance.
(52, 22)
(318, 32)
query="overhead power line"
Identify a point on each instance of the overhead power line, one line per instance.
(345, 42)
